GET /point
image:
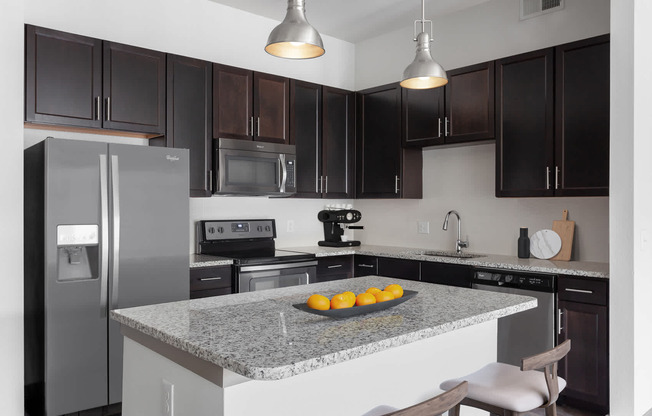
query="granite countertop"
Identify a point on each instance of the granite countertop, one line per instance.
(243, 332)
(492, 261)
(204, 260)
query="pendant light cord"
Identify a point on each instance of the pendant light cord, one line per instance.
(423, 15)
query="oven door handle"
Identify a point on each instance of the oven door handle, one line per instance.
(282, 266)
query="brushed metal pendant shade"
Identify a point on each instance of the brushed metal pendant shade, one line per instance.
(423, 72)
(295, 38)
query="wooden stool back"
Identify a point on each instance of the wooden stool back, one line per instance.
(449, 400)
(548, 362)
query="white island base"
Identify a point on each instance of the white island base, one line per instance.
(397, 377)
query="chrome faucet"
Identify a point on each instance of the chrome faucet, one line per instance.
(459, 244)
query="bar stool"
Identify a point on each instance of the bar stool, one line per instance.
(448, 401)
(504, 389)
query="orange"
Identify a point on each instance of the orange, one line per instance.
(373, 290)
(351, 297)
(396, 290)
(365, 299)
(319, 302)
(383, 295)
(340, 301)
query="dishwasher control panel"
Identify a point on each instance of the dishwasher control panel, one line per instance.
(541, 282)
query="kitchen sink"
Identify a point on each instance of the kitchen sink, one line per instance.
(449, 254)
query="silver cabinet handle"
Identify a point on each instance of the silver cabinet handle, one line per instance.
(371, 266)
(104, 231)
(439, 127)
(317, 185)
(446, 126)
(589, 292)
(396, 188)
(251, 126)
(556, 177)
(326, 184)
(108, 108)
(559, 327)
(210, 180)
(98, 110)
(206, 279)
(335, 266)
(258, 127)
(547, 177)
(115, 193)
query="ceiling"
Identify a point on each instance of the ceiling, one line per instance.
(355, 20)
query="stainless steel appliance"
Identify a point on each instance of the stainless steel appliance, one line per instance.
(106, 227)
(333, 231)
(245, 167)
(525, 333)
(258, 265)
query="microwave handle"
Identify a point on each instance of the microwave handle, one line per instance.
(284, 172)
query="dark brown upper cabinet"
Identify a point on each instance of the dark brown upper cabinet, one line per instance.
(462, 111)
(249, 105)
(63, 78)
(189, 109)
(383, 168)
(321, 128)
(582, 118)
(552, 121)
(83, 82)
(134, 88)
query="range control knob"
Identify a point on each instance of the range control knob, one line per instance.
(259, 228)
(268, 228)
(220, 230)
(211, 230)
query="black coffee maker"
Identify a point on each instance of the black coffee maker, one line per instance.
(333, 231)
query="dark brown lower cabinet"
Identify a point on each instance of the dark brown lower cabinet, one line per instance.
(584, 320)
(399, 268)
(210, 281)
(446, 274)
(334, 268)
(364, 265)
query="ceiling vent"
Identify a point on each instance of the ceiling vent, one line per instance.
(534, 8)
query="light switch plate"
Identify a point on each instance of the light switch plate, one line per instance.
(423, 227)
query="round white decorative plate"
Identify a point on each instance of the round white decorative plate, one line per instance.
(545, 244)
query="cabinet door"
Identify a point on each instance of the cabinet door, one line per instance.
(364, 265)
(446, 274)
(232, 103)
(134, 89)
(470, 104)
(586, 367)
(399, 268)
(338, 130)
(423, 117)
(271, 108)
(189, 87)
(305, 134)
(63, 78)
(378, 164)
(334, 268)
(582, 118)
(524, 124)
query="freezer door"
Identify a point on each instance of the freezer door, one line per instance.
(149, 189)
(75, 311)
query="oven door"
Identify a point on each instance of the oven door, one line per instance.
(253, 173)
(272, 276)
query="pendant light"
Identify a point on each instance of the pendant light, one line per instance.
(294, 38)
(423, 72)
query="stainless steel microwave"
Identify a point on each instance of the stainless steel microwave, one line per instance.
(244, 167)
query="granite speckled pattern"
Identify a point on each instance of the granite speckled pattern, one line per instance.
(244, 332)
(204, 260)
(490, 261)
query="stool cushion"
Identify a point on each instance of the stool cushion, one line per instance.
(506, 386)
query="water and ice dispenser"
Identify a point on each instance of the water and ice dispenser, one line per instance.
(78, 252)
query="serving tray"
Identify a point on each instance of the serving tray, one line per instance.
(358, 310)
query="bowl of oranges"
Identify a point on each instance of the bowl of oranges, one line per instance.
(347, 304)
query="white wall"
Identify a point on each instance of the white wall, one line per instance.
(631, 207)
(462, 178)
(11, 209)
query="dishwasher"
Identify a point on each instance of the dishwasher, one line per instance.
(529, 332)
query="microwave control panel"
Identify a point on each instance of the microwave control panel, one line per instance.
(289, 165)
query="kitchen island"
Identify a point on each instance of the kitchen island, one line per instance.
(253, 353)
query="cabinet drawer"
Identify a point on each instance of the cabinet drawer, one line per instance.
(210, 278)
(583, 290)
(197, 294)
(365, 265)
(340, 267)
(399, 268)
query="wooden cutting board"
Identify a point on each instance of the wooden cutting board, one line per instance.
(566, 230)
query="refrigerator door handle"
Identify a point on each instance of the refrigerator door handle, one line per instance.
(115, 197)
(104, 231)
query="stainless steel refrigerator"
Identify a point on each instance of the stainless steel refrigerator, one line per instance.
(106, 227)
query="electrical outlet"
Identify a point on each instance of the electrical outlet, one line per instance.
(168, 398)
(290, 226)
(423, 227)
